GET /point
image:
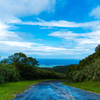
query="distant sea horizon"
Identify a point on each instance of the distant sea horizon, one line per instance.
(56, 62)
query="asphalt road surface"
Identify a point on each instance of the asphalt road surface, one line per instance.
(52, 90)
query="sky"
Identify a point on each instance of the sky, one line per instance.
(50, 29)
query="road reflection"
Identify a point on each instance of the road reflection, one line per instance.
(52, 90)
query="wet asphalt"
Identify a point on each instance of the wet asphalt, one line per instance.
(54, 90)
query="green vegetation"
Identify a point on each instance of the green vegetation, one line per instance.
(92, 86)
(20, 67)
(86, 75)
(8, 73)
(7, 90)
(59, 69)
(88, 69)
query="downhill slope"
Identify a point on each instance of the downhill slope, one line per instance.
(88, 68)
(59, 69)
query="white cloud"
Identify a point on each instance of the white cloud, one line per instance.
(12, 10)
(60, 23)
(96, 12)
(25, 7)
(5, 34)
(69, 35)
(85, 42)
(30, 48)
(17, 44)
(81, 40)
(3, 26)
(66, 35)
(94, 25)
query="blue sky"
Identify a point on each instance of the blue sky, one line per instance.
(55, 29)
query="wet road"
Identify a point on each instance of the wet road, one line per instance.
(56, 91)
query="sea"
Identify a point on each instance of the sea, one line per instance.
(55, 62)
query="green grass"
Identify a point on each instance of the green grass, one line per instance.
(88, 86)
(8, 89)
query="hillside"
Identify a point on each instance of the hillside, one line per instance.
(19, 67)
(59, 69)
(88, 68)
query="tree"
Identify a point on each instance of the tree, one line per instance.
(20, 59)
(32, 61)
(97, 48)
(4, 61)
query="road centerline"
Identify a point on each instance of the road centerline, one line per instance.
(62, 91)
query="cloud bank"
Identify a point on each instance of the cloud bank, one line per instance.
(85, 42)
(25, 7)
(11, 12)
(96, 12)
(93, 25)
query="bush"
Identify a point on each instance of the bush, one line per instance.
(8, 73)
(20, 67)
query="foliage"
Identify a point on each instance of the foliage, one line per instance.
(20, 67)
(20, 58)
(59, 69)
(8, 89)
(88, 68)
(8, 73)
(97, 48)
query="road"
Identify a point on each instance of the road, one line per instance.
(52, 90)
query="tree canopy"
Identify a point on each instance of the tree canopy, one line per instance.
(20, 58)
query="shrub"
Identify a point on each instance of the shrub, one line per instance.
(8, 73)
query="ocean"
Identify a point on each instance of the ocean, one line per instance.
(56, 62)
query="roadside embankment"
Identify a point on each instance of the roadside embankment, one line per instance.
(92, 86)
(8, 90)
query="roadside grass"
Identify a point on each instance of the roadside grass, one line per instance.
(91, 86)
(8, 90)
